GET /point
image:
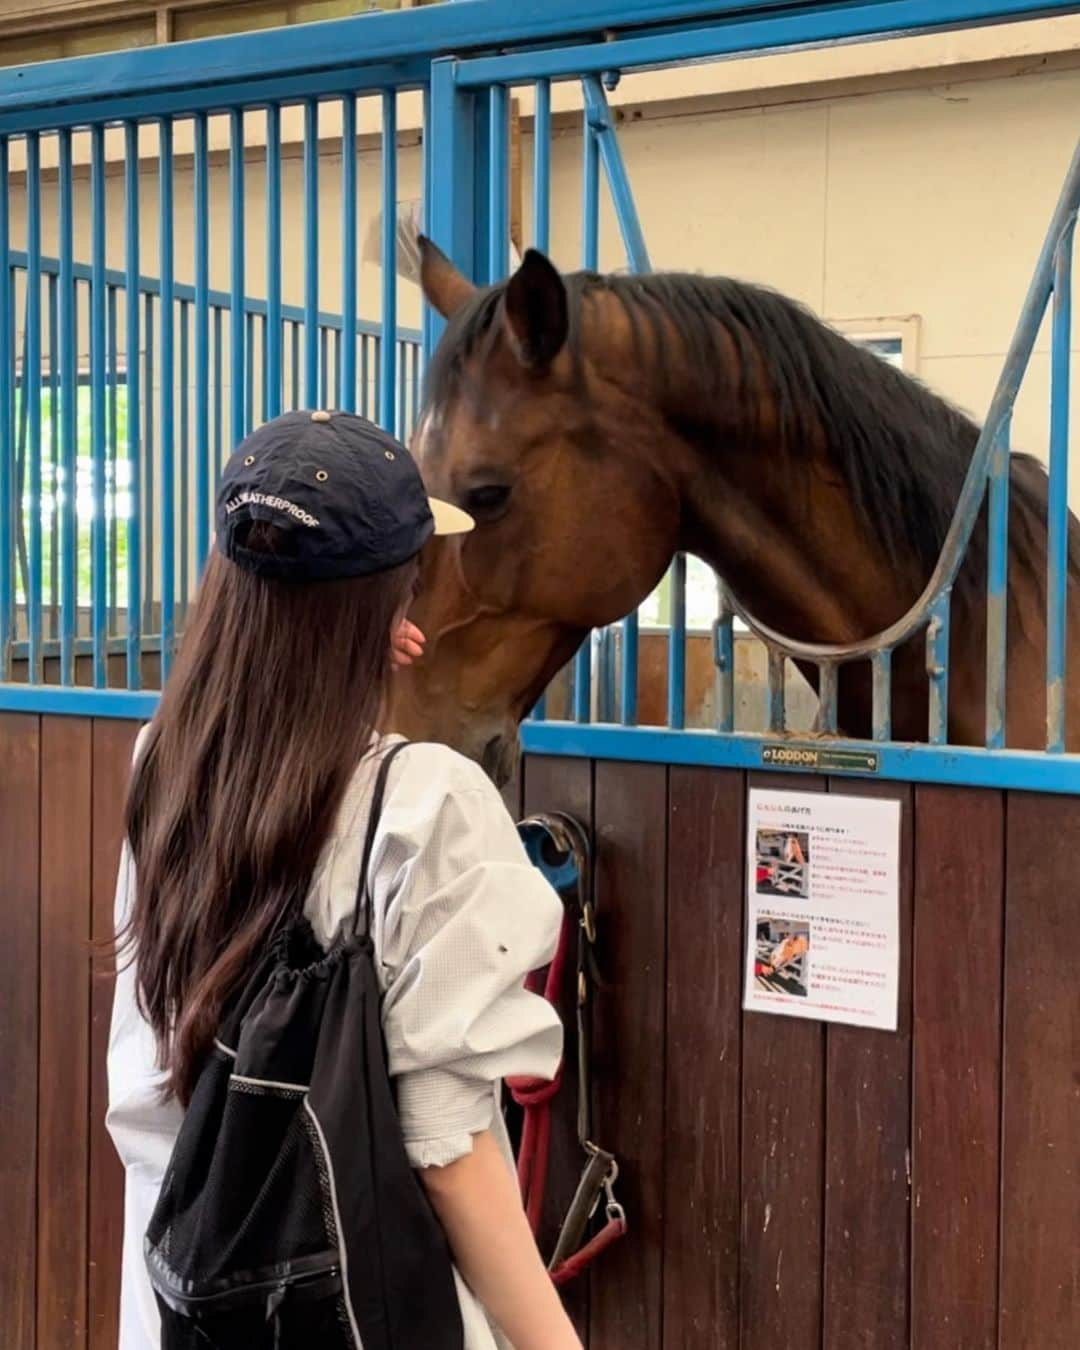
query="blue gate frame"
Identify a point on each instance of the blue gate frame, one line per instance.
(465, 56)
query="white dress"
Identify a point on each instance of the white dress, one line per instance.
(460, 917)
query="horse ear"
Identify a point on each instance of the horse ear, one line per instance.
(536, 314)
(443, 285)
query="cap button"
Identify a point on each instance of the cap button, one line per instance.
(320, 416)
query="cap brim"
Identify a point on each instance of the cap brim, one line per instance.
(450, 519)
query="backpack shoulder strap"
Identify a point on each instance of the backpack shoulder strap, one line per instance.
(362, 912)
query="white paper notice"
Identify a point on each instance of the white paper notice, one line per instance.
(823, 890)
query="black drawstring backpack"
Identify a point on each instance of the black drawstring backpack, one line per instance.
(289, 1217)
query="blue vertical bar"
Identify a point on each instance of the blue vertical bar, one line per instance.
(249, 380)
(937, 668)
(273, 260)
(185, 452)
(1058, 509)
(427, 336)
(311, 252)
(264, 333)
(295, 401)
(997, 594)
(219, 393)
(777, 711)
(365, 400)
(498, 183)
(69, 395)
(31, 383)
(237, 245)
(338, 391)
(167, 320)
(347, 395)
(677, 645)
(134, 444)
(387, 391)
(114, 419)
(7, 426)
(148, 476)
(590, 213)
(450, 208)
(202, 343)
(99, 576)
(542, 168)
(881, 667)
(724, 660)
(54, 457)
(828, 691)
(324, 368)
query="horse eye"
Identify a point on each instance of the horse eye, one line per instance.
(486, 500)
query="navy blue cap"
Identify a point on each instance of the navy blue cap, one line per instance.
(349, 496)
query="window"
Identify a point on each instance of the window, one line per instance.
(118, 498)
(894, 341)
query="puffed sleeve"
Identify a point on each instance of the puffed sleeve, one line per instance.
(464, 918)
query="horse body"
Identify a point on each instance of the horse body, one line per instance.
(596, 426)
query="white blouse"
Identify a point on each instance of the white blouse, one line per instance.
(460, 917)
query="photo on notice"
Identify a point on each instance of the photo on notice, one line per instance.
(782, 957)
(782, 860)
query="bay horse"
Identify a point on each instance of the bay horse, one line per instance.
(596, 425)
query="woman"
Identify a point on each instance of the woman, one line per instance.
(253, 784)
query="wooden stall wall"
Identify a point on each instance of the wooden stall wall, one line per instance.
(790, 1186)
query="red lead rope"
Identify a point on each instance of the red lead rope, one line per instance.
(535, 1096)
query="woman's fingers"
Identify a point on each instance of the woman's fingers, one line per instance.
(407, 644)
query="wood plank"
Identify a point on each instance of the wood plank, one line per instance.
(956, 1050)
(552, 784)
(704, 1034)
(20, 798)
(630, 806)
(1040, 1165)
(783, 1142)
(65, 1032)
(113, 743)
(867, 1146)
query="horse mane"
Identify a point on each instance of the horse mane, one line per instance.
(901, 450)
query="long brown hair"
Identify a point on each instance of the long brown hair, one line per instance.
(274, 700)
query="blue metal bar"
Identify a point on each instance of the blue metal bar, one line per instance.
(450, 212)
(99, 576)
(937, 668)
(31, 387)
(294, 402)
(365, 394)
(1058, 509)
(324, 368)
(605, 654)
(776, 691)
(347, 369)
(185, 451)
(598, 116)
(7, 425)
(134, 446)
(677, 644)
(628, 697)
(428, 190)
(151, 286)
(219, 395)
(69, 414)
(498, 184)
(147, 474)
(389, 258)
(167, 320)
(249, 374)
(311, 252)
(273, 260)
(113, 380)
(264, 332)
(542, 180)
(202, 343)
(828, 692)
(997, 591)
(881, 668)
(965, 765)
(412, 38)
(724, 661)
(590, 226)
(54, 456)
(736, 33)
(237, 249)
